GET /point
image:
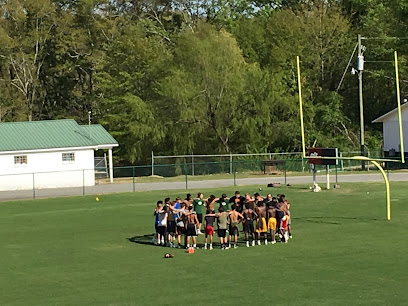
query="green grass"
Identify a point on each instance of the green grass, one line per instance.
(75, 251)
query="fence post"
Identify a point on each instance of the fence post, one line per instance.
(33, 187)
(192, 164)
(185, 172)
(284, 165)
(235, 174)
(231, 163)
(336, 175)
(327, 177)
(133, 178)
(152, 163)
(83, 182)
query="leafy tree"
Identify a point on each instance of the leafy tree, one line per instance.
(127, 85)
(27, 26)
(214, 94)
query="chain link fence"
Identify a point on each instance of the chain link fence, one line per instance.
(182, 174)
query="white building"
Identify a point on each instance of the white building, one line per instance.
(391, 136)
(50, 154)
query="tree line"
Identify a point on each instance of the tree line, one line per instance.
(202, 76)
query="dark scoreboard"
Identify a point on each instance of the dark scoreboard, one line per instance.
(323, 152)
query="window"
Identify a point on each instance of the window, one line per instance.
(68, 157)
(20, 160)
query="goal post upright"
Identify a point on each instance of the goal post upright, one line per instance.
(302, 128)
(402, 150)
(374, 161)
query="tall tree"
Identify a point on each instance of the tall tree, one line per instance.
(27, 26)
(127, 82)
(209, 94)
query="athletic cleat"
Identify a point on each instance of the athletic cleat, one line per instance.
(211, 247)
(247, 244)
(259, 242)
(205, 247)
(235, 246)
(273, 242)
(253, 242)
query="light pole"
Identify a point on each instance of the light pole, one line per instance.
(360, 68)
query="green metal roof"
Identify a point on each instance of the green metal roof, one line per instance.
(48, 134)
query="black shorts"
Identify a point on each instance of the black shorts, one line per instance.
(233, 230)
(155, 227)
(181, 230)
(200, 218)
(249, 226)
(279, 214)
(171, 227)
(161, 230)
(222, 233)
(191, 230)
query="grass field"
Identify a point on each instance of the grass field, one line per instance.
(75, 251)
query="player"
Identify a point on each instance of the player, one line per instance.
(224, 202)
(248, 221)
(238, 200)
(171, 224)
(161, 227)
(177, 203)
(180, 227)
(268, 201)
(250, 200)
(261, 228)
(188, 200)
(191, 227)
(289, 221)
(198, 204)
(211, 202)
(284, 229)
(272, 222)
(159, 207)
(209, 227)
(222, 227)
(235, 219)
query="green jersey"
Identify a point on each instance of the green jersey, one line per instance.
(224, 203)
(198, 204)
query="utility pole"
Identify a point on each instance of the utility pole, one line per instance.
(360, 68)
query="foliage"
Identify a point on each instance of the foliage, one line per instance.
(182, 76)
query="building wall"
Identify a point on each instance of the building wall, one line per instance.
(47, 170)
(391, 132)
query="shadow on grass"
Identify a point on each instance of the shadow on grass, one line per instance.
(147, 240)
(144, 239)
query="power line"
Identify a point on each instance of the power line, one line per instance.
(384, 76)
(347, 67)
(385, 38)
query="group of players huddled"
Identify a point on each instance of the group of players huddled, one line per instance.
(174, 219)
